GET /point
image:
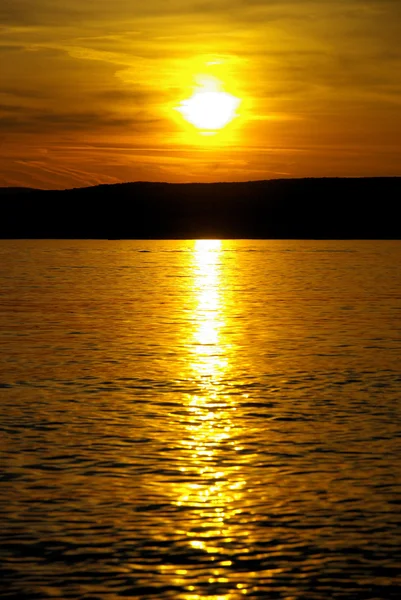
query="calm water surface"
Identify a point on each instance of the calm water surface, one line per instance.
(200, 420)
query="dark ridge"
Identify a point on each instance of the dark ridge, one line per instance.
(330, 208)
(10, 191)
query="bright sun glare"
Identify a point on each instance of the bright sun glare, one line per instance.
(209, 109)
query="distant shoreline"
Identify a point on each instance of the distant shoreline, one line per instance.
(25, 189)
(310, 208)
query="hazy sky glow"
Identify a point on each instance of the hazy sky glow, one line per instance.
(89, 89)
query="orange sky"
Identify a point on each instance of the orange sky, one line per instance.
(89, 89)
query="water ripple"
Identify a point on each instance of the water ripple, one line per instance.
(203, 420)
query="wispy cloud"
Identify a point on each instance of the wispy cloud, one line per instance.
(310, 73)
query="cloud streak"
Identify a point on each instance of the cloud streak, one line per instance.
(310, 75)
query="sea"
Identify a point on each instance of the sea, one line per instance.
(200, 419)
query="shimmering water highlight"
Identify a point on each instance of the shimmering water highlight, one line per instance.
(200, 420)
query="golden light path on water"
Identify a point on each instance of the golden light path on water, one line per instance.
(200, 420)
(210, 428)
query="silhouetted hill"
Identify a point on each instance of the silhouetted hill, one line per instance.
(286, 208)
(15, 190)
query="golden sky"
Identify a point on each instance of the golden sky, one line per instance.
(89, 89)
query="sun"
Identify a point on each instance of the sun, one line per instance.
(209, 109)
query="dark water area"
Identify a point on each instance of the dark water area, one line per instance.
(200, 420)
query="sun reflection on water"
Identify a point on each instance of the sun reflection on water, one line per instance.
(209, 359)
(212, 483)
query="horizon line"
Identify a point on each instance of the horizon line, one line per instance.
(192, 183)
